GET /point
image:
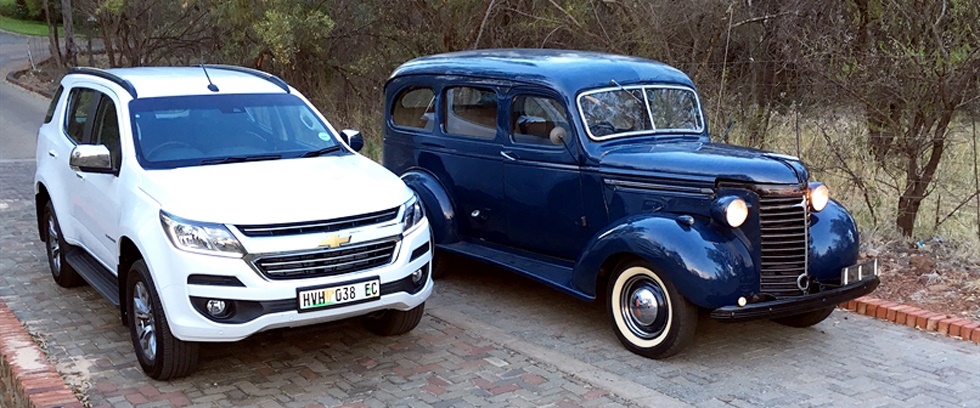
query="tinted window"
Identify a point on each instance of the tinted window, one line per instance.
(80, 104)
(534, 118)
(106, 130)
(54, 104)
(471, 112)
(414, 108)
(208, 129)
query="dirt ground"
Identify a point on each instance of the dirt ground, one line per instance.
(936, 276)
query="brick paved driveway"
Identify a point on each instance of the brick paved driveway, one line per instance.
(489, 339)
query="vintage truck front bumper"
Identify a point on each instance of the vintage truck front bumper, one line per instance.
(853, 288)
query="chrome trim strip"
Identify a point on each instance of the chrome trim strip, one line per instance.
(658, 186)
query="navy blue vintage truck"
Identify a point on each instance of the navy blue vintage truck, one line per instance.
(595, 174)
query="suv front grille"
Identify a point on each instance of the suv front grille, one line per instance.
(337, 224)
(327, 262)
(785, 223)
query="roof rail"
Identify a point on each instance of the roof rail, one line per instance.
(101, 73)
(264, 75)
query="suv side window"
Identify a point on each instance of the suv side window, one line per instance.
(106, 130)
(80, 103)
(471, 112)
(414, 108)
(54, 104)
(533, 118)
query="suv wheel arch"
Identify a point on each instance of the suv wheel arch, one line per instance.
(128, 254)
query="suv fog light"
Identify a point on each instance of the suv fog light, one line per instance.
(216, 308)
(417, 276)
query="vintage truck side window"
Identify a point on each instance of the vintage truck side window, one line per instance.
(471, 112)
(415, 108)
(533, 118)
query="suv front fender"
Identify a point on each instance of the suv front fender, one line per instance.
(438, 205)
(708, 264)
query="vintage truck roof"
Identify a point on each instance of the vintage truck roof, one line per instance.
(568, 71)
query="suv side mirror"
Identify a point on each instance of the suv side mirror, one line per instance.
(91, 158)
(353, 139)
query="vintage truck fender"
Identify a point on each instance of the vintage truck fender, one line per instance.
(834, 241)
(438, 205)
(706, 262)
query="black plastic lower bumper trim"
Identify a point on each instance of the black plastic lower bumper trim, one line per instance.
(794, 306)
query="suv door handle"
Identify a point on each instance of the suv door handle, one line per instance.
(80, 175)
(508, 155)
(52, 153)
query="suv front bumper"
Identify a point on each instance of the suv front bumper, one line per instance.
(266, 304)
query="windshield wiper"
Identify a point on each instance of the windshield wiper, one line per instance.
(239, 159)
(323, 151)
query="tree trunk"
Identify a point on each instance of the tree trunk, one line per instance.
(71, 51)
(53, 47)
(917, 183)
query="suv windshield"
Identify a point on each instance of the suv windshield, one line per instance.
(634, 110)
(196, 130)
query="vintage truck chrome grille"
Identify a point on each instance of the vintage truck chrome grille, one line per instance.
(327, 262)
(785, 242)
(296, 228)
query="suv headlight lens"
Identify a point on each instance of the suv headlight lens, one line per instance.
(412, 214)
(201, 237)
(730, 210)
(819, 196)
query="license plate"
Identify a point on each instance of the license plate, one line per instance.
(859, 272)
(336, 295)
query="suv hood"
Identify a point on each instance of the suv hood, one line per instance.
(687, 159)
(276, 191)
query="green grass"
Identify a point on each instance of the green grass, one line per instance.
(24, 27)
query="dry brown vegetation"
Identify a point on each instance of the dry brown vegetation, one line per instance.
(879, 97)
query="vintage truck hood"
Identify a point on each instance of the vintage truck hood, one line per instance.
(276, 191)
(691, 159)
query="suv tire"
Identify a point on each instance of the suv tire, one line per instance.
(395, 322)
(805, 319)
(64, 275)
(161, 355)
(665, 328)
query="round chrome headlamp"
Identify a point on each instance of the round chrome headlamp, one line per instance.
(730, 210)
(819, 196)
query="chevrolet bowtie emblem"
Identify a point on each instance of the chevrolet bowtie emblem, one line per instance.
(334, 241)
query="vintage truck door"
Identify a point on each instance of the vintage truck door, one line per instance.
(542, 185)
(465, 156)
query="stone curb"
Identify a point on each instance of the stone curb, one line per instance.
(27, 379)
(12, 78)
(915, 317)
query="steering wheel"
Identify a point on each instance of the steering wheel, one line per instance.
(167, 145)
(602, 128)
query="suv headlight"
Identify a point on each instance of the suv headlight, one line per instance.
(201, 237)
(819, 196)
(412, 213)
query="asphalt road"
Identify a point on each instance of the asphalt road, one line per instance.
(489, 338)
(21, 112)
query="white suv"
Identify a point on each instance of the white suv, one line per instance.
(211, 203)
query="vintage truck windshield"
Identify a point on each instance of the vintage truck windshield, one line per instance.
(634, 110)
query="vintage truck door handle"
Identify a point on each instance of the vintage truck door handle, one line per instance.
(508, 155)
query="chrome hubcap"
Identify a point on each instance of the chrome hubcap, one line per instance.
(54, 246)
(145, 327)
(644, 307)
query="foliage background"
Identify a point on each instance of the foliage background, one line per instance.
(879, 97)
